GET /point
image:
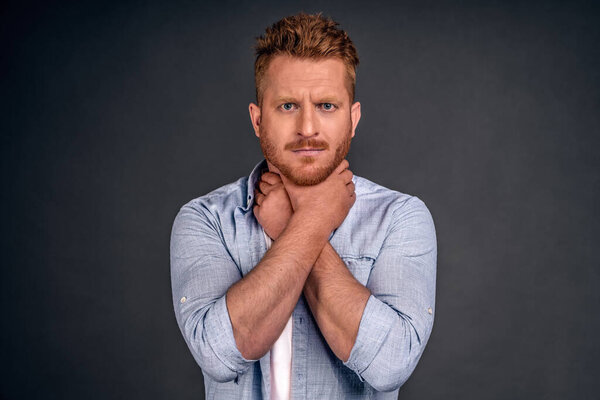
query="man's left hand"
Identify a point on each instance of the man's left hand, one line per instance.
(272, 206)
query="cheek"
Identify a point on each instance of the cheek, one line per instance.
(337, 125)
(276, 124)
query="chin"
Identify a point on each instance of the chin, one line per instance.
(308, 175)
(307, 171)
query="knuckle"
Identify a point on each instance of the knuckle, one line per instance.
(271, 177)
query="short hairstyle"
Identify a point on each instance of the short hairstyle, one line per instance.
(309, 36)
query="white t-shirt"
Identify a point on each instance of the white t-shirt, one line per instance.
(281, 357)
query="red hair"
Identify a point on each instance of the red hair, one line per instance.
(309, 36)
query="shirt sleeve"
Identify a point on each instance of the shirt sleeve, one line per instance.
(398, 317)
(202, 270)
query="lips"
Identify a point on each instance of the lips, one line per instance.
(309, 149)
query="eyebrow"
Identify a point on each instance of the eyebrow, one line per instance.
(330, 99)
(285, 100)
(324, 99)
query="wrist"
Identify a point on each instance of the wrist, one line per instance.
(320, 225)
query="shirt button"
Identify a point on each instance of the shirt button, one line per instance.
(429, 310)
(183, 299)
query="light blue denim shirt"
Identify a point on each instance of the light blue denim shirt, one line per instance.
(387, 241)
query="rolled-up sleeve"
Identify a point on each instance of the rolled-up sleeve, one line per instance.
(201, 272)
(398, 318)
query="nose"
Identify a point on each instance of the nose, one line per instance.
(307, 122)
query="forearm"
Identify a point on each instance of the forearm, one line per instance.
(337, 301)
(260, 304)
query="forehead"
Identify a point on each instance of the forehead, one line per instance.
(288, 75)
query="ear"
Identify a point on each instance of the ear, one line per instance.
(355, 116)
(255, 118)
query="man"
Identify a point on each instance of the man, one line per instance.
(302, 280)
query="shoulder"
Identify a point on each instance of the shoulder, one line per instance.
(371, 197)
(229, 195)
(214, 206)
(404, 220)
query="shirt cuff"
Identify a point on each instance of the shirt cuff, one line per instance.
(220, 337)
(376, 322)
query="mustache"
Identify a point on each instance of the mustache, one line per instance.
(303, 143)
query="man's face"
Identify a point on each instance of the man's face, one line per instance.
(306, 121)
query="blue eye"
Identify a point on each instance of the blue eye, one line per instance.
(327, 106)
(287, 106)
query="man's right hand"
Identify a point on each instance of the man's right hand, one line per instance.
(329, 201)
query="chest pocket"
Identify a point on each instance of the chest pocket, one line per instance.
(360, 267)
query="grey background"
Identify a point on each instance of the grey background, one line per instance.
(115, 115)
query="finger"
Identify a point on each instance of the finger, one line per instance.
(347, 175)
(257, 190)
(343, 165)
(264, 187)
(271, 178)
(258, 198)
(255, 209)
(351, 188)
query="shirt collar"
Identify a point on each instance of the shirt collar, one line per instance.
(253, 179)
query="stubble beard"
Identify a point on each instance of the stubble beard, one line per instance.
(317, 175)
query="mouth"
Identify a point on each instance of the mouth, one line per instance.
(308, 151)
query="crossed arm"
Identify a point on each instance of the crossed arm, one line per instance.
(395, 320)
(335, 297)
(301, 258)
(273, 287)
(381, 341)
(337, 301)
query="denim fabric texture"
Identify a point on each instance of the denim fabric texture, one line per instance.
(387, 241)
